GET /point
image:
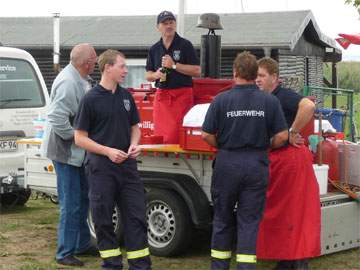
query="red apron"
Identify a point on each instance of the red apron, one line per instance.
(290, 228)
(170, 107)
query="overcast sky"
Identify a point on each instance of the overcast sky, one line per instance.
(332, 16)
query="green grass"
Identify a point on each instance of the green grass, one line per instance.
(347, 75)
(31, 244)
(348, 78)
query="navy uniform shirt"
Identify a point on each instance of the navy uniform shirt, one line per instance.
(244, 118)
(182, 51)
(289, 101)
(108, 117)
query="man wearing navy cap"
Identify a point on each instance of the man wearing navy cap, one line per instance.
(171, 64)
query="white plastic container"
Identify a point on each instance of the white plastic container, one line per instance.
(39, 125)
(349, 157)
(196, 115)
(321, 173)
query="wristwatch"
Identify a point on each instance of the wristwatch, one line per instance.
(173, 66)
(293, 131)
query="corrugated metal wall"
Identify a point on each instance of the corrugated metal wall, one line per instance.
(227, 59)
(292, 71)
(316, 71)
(292, 68)
(316, 78)
(294, 74)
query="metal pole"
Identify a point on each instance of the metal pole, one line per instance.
(181, 18)
(334, 84)
(56, 49)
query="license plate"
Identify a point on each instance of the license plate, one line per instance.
(8, 145)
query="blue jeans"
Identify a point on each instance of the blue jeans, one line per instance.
(73, 231)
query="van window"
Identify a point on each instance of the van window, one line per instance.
(19, 85)
(136, 73)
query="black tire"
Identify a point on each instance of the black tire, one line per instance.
(24, 196)
(54, 199)
(169, 223)
(16, 198)
(118, 229)
(9, 199)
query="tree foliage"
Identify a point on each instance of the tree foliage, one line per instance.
(355, 3)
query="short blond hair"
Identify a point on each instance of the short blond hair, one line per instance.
(108, 57)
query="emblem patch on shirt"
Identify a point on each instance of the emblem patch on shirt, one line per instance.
(127, 104)
(176, 55)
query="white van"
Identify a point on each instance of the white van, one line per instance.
(23, 97)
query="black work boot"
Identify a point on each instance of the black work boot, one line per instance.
(91, 251)
(284, 265)
(301, 265)
(70, 261)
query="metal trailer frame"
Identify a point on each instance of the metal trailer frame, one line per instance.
(340, 223)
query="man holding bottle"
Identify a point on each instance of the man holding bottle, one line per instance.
(171, 63)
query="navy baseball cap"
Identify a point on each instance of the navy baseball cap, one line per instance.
(165, 15)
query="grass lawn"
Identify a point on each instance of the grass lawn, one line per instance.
(28, 241)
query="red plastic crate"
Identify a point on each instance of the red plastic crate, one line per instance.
(151, 139)
(205, 89)
(144, 101)
(190, 139)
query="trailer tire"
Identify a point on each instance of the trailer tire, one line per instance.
(169, 223)
(54, 199)
(116, 219)
(24, 196)
(16, 198)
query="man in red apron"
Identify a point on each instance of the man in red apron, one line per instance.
(290, 229)
(171, 63)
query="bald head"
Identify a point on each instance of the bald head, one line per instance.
(81, 53)
(83, 58)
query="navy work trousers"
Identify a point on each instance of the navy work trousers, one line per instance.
(119, 184)
(239, 181)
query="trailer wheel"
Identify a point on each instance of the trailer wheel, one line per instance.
(24, 196)
(16, 198)
(116, 220)
(54, 199)
(169, 224)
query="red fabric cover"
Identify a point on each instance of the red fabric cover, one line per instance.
(170, 107)
(290, 228)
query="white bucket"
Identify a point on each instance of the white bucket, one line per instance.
(321, 173)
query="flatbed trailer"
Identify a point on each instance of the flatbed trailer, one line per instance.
(177, 182)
